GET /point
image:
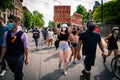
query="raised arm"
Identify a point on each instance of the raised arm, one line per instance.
(56, 29)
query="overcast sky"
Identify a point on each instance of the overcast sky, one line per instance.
(46, 6)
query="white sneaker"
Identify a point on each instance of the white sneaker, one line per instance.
(65, 72)
(2, 73)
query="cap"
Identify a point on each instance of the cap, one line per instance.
(91, 27)
(115, 28)
(64, 25)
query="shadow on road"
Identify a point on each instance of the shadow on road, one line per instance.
(104, 76)
(53, 76)
(55, 55)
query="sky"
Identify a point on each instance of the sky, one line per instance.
(46, 7)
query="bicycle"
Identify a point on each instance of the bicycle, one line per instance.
(115, 66)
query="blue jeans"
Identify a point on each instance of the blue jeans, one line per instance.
(15, 63)
(36, 41)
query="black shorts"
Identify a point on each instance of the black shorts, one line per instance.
(75, 45)
(89, 62)
(112, 47)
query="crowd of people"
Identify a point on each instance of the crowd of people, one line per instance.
(66, 37)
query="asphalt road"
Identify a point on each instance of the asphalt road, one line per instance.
(43, 65)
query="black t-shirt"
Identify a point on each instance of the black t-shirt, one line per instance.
(90, 40)
(36, 34)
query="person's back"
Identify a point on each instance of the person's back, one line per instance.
(90, 40)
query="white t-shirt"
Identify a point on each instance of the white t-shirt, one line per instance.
(50, 34)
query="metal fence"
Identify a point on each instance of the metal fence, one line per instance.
(107, 29)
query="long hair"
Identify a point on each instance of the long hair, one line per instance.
(66, 31)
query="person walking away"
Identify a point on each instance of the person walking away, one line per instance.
(50, 37)
(63, 48)
(111, 41)
(15, 49)
(88, 40)
(36, 36)
(3, 28)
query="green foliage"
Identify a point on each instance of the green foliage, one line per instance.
(82, 10)
(35, 19)
(38, 19)
(111, 12)
(6, 4)
(27, 19)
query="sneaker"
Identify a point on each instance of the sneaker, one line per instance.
(2, 73)
(65, 72)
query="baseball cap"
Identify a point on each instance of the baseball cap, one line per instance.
(64, 25)
(115, 28)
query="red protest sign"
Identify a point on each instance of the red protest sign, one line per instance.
(62, 14)
(77, 19)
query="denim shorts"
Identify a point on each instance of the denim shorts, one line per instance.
(63, 46)
(75, 45)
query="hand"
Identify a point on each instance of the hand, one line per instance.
(26, 61)
(103, 54)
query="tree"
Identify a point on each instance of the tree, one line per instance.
(6, 4)
(111, 12)
(82, 10)
(27, 19)
(38, 19)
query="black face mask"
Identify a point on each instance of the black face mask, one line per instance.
(74, 32)
(91, 27)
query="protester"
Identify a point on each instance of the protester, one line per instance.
(111, 41)
(88, 40)
(36, 36)
(15, 48)
(63, 45)
(74, 44)
(3, 28)
(50, 37)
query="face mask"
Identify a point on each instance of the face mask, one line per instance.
(10, 26)
(116, 31)
(63, 29)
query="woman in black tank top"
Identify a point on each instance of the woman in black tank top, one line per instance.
(111, 41)
(63, 48)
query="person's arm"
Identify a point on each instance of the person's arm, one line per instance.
(79, 46)
(26, 56)
(24, 38)
(108, 37)
(56, 29)
(4, 47)
(101, 47)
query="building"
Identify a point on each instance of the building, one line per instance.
(16, 12)
(18, 8)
